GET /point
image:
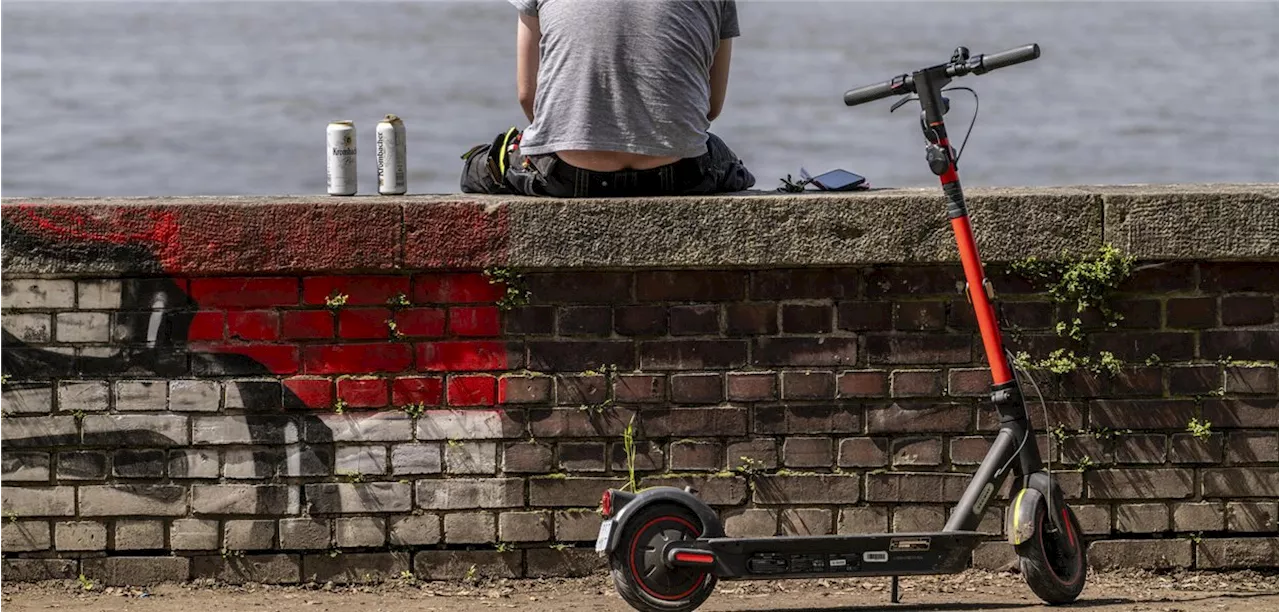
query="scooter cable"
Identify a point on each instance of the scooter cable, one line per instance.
(1048, 465)
(972, 120)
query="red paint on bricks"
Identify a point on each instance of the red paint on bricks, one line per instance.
(475, 321)
(360, 290)
(363, 392)
(472, 391)
(307, 324)
(207, 325)
(414, 389)
(244, 292)
(364, 323)
(253, 325)
(420, 322)
(276, 358)
(312, 392)
(357, 358)
(461, 356)
(456, 235)
(455, 289)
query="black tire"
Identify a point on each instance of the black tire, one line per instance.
(1056, 574)
(639, 575)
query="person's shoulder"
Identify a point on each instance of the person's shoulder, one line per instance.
(526, 7)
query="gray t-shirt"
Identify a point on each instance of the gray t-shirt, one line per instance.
(625, 75)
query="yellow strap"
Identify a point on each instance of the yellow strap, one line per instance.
(502, 155)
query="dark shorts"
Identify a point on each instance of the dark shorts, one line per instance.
(717, 171)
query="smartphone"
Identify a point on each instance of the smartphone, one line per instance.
(838, 180)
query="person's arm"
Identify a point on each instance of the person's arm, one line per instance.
(528, 36)
(720, 77)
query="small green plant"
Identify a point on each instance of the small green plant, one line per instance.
(393, 328)
(454, 443)
(1195, 536)
(4, 379)
(505, 547)
(333, 553)
(85, 583)
(340, 406)
(515, 293)
(1201, 430)
(12, 516)
(352, 476)
(470, 575)
(1060, 433)
(414, 410)
(1153, 360)
(1085, 464)
(559, 546)
(228, 553)
(408, 577)
(78, 415)
(1063, 361)
(400, 300)
(1080, 285)
(629, 447)
(749, 467)
(336, 300)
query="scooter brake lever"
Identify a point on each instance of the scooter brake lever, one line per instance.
(901, 101)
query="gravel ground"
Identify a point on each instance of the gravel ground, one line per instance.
(973, 590)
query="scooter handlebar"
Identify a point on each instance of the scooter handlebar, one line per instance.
(1003, 59)
(979, 64)
(868, 93)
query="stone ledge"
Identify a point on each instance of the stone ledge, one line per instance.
(292, 234)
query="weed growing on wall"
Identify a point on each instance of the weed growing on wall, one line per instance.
(516, 292)
(1080, 285)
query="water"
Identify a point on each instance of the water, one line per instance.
(107, 98)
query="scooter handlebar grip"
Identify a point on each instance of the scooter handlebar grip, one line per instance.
(868, 93)
(1026, 53)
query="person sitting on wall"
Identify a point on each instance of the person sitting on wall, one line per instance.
(619, 95)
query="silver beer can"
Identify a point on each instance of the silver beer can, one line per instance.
(341, 170)
(392, 175)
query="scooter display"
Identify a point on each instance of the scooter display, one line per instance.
(667, 548)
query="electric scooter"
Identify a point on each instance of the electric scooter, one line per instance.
(667, 549)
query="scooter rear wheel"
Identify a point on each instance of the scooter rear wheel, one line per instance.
(1055, 571)
(639, 573)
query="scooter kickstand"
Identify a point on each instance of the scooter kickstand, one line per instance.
(893, 591)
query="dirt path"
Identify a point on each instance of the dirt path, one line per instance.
(971, 591)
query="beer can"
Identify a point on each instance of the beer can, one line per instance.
(341, 169)
(392, 179)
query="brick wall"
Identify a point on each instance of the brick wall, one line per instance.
(174, 425)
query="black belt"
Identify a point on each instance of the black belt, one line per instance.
(669, 179)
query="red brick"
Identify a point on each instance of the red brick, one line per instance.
(863, 316)
(581, 456)
(863, 452)
(462, 356)
(580, 287)
(917, 383)
(207, 325)
(581, 390)
(527, 321)
(642, 388)
(690, 285)
(586, 321)
(276, 358)
(808, 385)
(1140, 448)
(868, 383)
(357, 358)
(416, 389)
(307, 324)
(806, 452)
(916, 487)
(526, 457)
(1240, 482)
(1251, 380)
(805, 283)
(1186, 448)
(1067, 414)
(1026, 315)
(1140, 483)
(1248, 310)
(576, 356)
(680, 422)
(244, 292)
(917, 451)
(751, 319)
(463, 288)
(474, 321)
(1142, 414)
(648, 457)
(1160, 278)
(253, 325)
(524, 389)
(917, 316)
(420, 322)
(806, 489)
(1191, 313)
(697, 389)
(919, 348)
(1137, 381)
(364, 323)
(360, 290)
(914, 280)
(695, 320)
(472, 390)
(1138, 346)
(824, 351)
(969, 382)
(761, 452)
(696, 455)
(1193, 380)
(969, 450)
(1245, 412)
(808, 419)
(640, 320)
(806, 319)
(692, 354)
(575, 423)
(753, 387)
(363, 392)
(1240, 345)
(1137, 314)
(1230, 277)
(919, 417)
(312, 392)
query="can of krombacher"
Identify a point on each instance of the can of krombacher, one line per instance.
(340, 138)
(392, 175)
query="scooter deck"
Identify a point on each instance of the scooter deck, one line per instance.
(887, 554)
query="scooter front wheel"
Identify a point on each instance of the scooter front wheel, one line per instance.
(641, 576)
(1054, 566)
